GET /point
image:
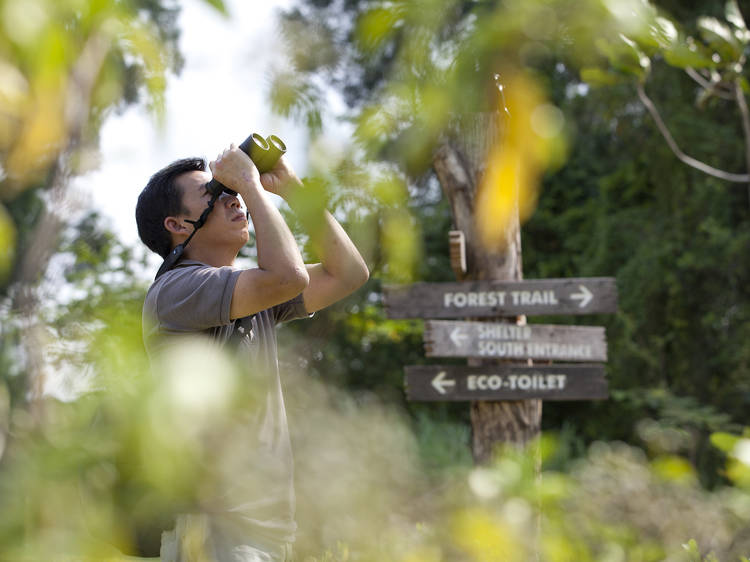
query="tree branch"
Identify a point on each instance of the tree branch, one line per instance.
(711, 86)
(690, 161)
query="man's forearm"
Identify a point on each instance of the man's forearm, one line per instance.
(277, 249)
(338, 254)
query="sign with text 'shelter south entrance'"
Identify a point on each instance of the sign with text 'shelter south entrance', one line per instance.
(446, 338)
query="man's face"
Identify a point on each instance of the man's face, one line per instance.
(225, 227)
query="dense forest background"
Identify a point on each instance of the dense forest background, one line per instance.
(617, 203)
(621, 205)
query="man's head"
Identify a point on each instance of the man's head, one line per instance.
(162, 198)
(175, 195)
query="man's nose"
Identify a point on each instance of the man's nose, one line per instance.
(229, 199)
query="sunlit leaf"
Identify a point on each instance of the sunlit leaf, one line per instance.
(674, 469)
(41, 137)
(219, 5)
(724, 441)
(24, 21)
(533, 142)
(486, 538)
(739, 473)
(560, 547)
(664, 31)
(720, 37)
(376, 26)
(424, 554)
(145, 43)
(624, 55)
(601, 77)
(13, 91)
(688, 55)
(691, 547)
(734, 16)
(7, 243)
(391, 192)
(400, 245)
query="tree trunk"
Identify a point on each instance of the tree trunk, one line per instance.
(459, 164)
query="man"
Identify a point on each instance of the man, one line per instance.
(204, 293)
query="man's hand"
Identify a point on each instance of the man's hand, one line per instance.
(235, 170)
(281, 180)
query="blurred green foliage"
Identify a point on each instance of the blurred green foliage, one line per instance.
(661, 471)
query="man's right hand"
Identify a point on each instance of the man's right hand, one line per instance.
(235, 170)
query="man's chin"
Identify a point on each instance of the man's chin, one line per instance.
(242, 241)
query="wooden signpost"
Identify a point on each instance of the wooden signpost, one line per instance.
(505, 397)
(503, 340)
(482, 340)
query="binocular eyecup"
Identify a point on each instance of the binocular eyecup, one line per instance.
(264, 152)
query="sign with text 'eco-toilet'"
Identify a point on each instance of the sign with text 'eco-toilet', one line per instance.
(505, 382)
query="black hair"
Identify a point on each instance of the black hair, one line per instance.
(162, 198)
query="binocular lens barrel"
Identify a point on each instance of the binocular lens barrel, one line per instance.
(263, 152)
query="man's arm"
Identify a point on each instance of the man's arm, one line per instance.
(342, 270)
(281, 273)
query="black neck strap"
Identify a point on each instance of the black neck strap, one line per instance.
(174, 256)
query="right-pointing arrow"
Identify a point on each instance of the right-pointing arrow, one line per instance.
(584, 296)
(440, 382)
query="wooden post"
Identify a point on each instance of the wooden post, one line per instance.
(459, 164)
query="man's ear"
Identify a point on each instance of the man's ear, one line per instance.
(175, 226)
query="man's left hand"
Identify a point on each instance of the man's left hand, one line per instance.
(281, 180)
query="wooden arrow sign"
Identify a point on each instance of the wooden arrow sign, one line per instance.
(584, 295)
(509, 341)
(505, 382)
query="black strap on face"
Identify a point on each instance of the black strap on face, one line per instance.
(174, 256)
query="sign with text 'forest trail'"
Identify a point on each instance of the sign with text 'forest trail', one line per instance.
(505, 382)
(474, 299)
(443, 338)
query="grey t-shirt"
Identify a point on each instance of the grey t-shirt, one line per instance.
(195, 298)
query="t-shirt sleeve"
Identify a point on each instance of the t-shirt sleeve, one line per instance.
(196, 298)
(290, 310)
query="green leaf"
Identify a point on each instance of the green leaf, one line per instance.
(625, 56)
(724, 441)
(674, 469)
(664, 31)
(7, 243)
(218, 5)
(691, 547)
(375, 27)
(600, 77)
(734, 16)
(682, 54)
(720, 38)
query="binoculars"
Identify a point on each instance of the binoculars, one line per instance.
(264, 152)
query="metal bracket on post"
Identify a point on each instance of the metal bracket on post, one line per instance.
(458, 252)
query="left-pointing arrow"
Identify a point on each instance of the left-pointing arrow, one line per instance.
(440, 382)
(458, 337)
